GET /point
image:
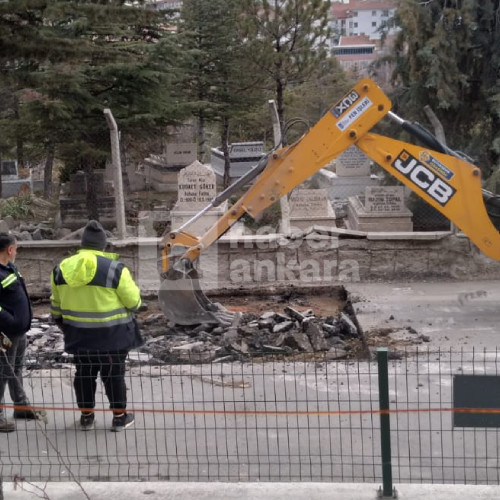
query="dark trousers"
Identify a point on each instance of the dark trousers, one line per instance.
(11, 372)
(111, 368)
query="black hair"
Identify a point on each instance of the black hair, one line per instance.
(6, 240)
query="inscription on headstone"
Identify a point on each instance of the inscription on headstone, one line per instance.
(353, 163)
(243, 149)
(181, 153)
(196, 186)
(387, 199)
(309, 203)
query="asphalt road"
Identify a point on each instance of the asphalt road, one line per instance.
(453, 314)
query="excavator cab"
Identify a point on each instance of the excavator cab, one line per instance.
(442, 177)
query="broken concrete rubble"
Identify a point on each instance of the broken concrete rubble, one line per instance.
(317, 336)
(285, 333)
(283, 327)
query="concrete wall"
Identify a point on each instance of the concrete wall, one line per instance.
(272, 260)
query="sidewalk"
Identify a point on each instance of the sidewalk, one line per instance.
(243, 491)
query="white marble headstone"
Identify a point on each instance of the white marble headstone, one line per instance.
(196, 186)
(353, 163)
(246, 149)
(311, 203)
(180, 153)
(387, 199)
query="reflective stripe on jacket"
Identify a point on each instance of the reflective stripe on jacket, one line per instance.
(94, 295)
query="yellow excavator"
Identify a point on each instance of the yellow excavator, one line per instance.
(442, 177)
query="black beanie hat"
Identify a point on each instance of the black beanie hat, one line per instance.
(94, 236)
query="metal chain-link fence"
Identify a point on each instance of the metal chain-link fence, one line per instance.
(264, 418)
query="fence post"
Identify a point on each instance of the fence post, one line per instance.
(387, 490)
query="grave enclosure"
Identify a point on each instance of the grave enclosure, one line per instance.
(310, 207)
(381, 208)
(161, 171)
(73, 204)
(243, 156)
(348, 175)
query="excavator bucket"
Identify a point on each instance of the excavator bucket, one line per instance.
(183, 302)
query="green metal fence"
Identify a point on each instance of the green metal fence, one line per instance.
(265, 418)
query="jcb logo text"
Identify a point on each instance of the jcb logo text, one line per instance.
(424, 178)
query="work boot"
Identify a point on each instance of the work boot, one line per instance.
(87, 421)
(122, 421)
(6, 426)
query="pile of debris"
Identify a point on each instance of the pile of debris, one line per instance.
(285, 333)
(46, 344)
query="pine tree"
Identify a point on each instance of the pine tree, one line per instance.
(288, 42)
(214, 80)
(80, 57)
(210, 46)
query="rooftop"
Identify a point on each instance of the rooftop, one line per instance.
(355, 40)
(342, 10)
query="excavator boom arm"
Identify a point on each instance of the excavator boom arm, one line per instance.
(441, 178)
(451, 185)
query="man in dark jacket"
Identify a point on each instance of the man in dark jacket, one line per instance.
(93, 298)
(15, 321)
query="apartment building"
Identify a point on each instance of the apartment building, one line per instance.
(362, 17)
(355, 53)
(356, 35)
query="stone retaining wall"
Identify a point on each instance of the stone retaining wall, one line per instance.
(272, 260)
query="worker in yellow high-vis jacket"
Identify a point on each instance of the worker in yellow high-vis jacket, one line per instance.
(93, 300)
